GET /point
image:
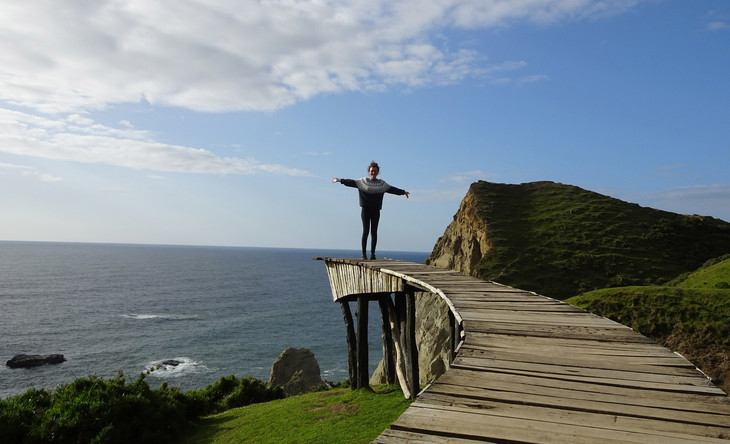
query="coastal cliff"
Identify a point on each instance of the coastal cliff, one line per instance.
(465, 240)
(560, 240)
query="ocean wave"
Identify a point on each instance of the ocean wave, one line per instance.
(165, 369)
(168, 317)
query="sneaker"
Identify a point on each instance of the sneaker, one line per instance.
(372, 256)
(364, 257)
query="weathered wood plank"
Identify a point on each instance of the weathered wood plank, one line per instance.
(630, 365)
(496, 398)
(697, 386)
(580, 345)
(401, 436)
(533, 369)
(472, 425)
(692, 379)
(624, 418)
(564, 332)
(517, 385)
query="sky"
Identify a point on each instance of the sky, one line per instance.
(222, 122)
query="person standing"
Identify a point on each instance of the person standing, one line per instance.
(371, 190)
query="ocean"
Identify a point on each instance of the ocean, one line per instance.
(220, 311)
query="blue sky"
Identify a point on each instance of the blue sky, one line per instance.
(223, 122)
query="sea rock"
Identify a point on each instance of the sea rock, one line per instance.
(26, 361)
(296, 371)
(172, 362)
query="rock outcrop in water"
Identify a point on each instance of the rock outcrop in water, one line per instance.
(296, 371)
(26, 361)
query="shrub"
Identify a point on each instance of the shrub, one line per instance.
(95, 410)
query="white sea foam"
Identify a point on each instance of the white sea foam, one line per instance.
(185, 367)
(171, 317)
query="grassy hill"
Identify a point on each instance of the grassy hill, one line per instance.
(560, 240)
(690, 314)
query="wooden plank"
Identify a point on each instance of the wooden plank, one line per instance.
(689, 385)
(475, 425)
(581, 405)
(518, 385)
(577, 361)
(531, 307)
(401, 436)
(629, 420)
(581, 371)
(556, 354)
(565, 332)
(580, 345)
(543, 318)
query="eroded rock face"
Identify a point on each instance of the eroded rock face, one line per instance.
(464, 242)
(296, 371)
(432, 339)
(26, 361)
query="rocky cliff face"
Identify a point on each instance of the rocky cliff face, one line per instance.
(465, 240)
(560, 240)
(432, 339)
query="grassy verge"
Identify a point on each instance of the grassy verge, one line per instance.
(693, 321)
(334, 416)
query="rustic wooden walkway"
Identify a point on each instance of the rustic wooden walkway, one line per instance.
(533, 369)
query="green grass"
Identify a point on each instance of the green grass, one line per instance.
(334, 416)
(691, 315)
(713, 274)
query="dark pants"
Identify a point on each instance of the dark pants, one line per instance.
(370, 219)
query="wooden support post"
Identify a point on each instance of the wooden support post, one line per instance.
(396, 329)
(411, 350)
(351, 343)
(388, 362)
(362, 342)
(454, 331)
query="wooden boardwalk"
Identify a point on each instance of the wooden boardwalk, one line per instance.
(533, 369)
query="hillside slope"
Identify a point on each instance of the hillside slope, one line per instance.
(560, 240)
(690, 315)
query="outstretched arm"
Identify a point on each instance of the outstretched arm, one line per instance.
(346, 182)
(398, 191)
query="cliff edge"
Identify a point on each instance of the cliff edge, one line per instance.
(560, 240)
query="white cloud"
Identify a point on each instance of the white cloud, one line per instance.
(705, 200)
(28, 171)
(222, 55)
(466, 177)
(717, 26)
(43, 177)
(80, 139)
